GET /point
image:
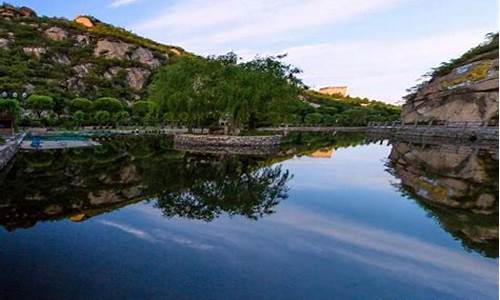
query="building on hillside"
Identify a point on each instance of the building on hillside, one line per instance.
(334, 90)
(322, 153)
(85, 21)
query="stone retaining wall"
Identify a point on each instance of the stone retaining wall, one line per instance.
(9, 150)
(465, 133)
(226, 141)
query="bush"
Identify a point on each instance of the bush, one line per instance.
(108, 104)
(102, 117)
(81, 104)
(313, 119)
(40, 103)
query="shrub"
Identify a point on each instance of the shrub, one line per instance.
(108, 104)
(102, 117)
(40, 103)
(81, 104)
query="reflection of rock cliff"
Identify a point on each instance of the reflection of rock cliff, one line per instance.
(458, 185)
(465, 90)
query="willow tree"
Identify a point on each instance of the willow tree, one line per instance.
(199, 92)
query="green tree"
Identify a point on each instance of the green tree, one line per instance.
(12, 108)
(313, 118)
(102, 117)
(40, 103)
(108, 104)
(79, 118)
(121, 118)
(81, 104)
(198, 92)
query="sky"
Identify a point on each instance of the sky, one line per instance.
(378, 48)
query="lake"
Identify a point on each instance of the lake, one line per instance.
(324, 217)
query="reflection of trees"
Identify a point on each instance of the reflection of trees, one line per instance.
(457, 185)
(51, 185)
(251, 194)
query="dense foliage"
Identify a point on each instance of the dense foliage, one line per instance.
(337, 110)
(199, 92)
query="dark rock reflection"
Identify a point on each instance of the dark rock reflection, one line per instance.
(457, 185)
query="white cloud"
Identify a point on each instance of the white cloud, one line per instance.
(379, 69)
(227, 21)
(140, 234)
(118, 3)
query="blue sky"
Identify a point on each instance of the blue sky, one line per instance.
(378, 47)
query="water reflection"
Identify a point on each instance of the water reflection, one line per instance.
(457, 185)
(78, 184)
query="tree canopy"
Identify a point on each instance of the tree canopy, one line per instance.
(40, 103)
(202, 92)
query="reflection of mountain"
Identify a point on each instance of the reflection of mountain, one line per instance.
(458, 185)
(78, 184)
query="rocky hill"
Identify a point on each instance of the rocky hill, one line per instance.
(75, 58)
(462, 90)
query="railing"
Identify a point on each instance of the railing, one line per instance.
(399, 124)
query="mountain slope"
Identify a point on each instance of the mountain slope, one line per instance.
(67, 59)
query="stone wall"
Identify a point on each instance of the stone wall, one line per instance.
(9, 150)
(226, 141)
(464, 133)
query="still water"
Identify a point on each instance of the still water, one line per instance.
(326, 217)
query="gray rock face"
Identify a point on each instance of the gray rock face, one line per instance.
(61, 58)
(145, 56)
(4, 43)
(82, 39)
(76, 82)
(136, 77)
(34, 51)
(56, 33)
(112, 72)
(112, 50)
(469, 93)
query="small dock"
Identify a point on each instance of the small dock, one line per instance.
(62, 144)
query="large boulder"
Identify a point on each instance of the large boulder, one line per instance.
(56, 33)
(35, 51)
(146, 57)
(136, 77)
(4, 43)
(112, 50)
(468, 93)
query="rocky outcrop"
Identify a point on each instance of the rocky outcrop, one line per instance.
(11, 12)
(112, 50)
(76, 82)
(61, 58)
(112, 72)
(82, 40)
(136, 77)
(123, 61)
(468, 93)
(34, 51)
(56, 33)
(4, 43)
(123, 51)
(146, 57)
